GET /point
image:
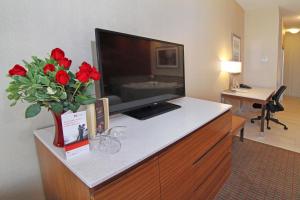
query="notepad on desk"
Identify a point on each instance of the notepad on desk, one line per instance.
(241, 90)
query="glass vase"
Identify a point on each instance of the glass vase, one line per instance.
(59, 137)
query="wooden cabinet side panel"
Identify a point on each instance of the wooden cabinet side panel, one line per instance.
(140, 183)
(59, 182)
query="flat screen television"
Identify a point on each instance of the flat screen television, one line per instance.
(139, 74)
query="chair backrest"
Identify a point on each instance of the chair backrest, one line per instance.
(279, 92)
(276, 98)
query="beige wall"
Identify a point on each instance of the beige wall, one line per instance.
(211, 42)
(35, 27)
(292, 64)
(262, 46)
(280, 64)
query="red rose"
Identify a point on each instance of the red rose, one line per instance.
(65, 62)
(82, 76)
(48, 67)
(86, 71)
(62, 77)
(17, 70)
(95, 75)
(85, 67)
(57, 54)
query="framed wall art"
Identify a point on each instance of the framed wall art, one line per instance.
(236, 48)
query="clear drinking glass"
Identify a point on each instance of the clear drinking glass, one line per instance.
(117, 131)
(94, 141)
(108, 144)
(108, 141)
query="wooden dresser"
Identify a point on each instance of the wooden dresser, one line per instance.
(194, 167)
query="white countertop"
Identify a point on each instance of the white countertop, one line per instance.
(140, 140)
(254, 93)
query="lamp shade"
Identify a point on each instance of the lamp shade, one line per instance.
(293, 30)
(233, 67)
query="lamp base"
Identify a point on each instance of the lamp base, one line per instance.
(233, 83)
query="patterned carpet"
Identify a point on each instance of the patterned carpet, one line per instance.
(261, 171)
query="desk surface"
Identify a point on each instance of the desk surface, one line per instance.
(141, 139)
(261, 94)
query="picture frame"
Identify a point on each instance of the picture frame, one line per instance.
(167, 57)
(236, 47)
(102, 115)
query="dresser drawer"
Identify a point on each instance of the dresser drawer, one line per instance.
(214, 181)
(211, 160)
(205, 138)
(200, 141)
(140, 183)
(177, 164)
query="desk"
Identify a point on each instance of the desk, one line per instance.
(254, 95)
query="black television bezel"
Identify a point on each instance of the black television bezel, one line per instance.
(101, 82)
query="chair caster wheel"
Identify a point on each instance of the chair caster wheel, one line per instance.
(285, 128)
(269, 128)
(252, 121)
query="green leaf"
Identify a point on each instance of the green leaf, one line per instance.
(32, 110)
(21, 79)
(66, 104)
(74, 107)
(42, 64)
(57, 107)
(30, 99)
(41, 96)
(31, 91)
(13, 87)
(13, 103)
(53, 85)
(50, 61)
(26, 63)
(36, 59)
(71, 84)
(29, 74)
(89, 89)
(50, 91)
(44, 80)
(72, 76)
(11, 96)
(63, 96)
(84, 100)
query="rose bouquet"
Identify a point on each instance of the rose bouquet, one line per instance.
(49, 83)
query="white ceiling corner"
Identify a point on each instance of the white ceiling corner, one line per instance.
(290, 9)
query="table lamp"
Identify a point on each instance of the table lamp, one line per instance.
(233, 68)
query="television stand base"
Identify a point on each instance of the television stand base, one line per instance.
(151, 110)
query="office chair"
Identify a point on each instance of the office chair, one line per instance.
(272, 106)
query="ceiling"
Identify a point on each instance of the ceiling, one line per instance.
(289, 8)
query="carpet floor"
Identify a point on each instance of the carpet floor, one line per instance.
(261, 171)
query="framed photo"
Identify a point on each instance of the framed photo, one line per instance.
(167, 57)
(236, 48)
(102, 115)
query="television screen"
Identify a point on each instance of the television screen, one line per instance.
(138, 71)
